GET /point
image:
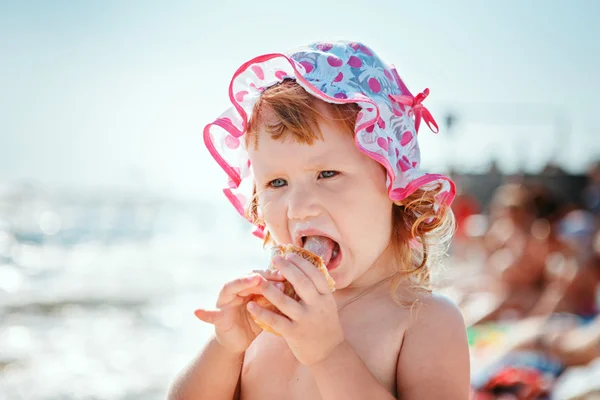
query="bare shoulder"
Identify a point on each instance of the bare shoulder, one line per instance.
(432, 309)
(428, 309)
(435, 321)
(434, 359)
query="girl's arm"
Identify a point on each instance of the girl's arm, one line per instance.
(434, 359)
(214, 374)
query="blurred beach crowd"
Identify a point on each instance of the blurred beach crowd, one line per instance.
(97, 291)
(525, 269)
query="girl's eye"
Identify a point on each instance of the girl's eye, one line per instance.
(276, 183)
(327, 174)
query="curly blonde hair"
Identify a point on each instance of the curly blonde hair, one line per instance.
(422, 226)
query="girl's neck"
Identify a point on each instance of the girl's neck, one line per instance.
(383, 269)
(346, 298)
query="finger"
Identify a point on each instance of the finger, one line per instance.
(250, 291)
(231, 289)
(284, 303)
(303, 285)
(311, 271)
(270, 274)
(277, 322)
(209, 316)
(258, 289)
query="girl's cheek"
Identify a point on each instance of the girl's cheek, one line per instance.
(272, 212)
(268, 203)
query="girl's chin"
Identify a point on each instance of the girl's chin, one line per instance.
(341, 280)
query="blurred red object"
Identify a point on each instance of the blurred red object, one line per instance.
(522, 383)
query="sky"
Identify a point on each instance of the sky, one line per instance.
(115, 94)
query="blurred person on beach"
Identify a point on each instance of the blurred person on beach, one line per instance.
(322, 143)
(578, 342)
(562, 329)
(527, 266)
(534, 357)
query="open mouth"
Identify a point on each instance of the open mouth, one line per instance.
(326, 248)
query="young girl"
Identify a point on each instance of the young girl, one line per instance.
(322, 142)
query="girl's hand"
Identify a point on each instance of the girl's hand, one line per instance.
(234, 327)
(311, 326)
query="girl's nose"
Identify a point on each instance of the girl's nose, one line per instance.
(302, 204)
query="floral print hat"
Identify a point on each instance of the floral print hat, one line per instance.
(335, 72)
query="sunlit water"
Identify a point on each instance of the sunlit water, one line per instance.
(114, 319)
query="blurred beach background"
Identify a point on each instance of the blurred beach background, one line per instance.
(113, 227)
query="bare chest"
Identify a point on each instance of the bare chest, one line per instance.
(271, 371)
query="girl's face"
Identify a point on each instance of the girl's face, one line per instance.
(328, 188)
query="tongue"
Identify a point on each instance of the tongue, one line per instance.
(321, 246)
